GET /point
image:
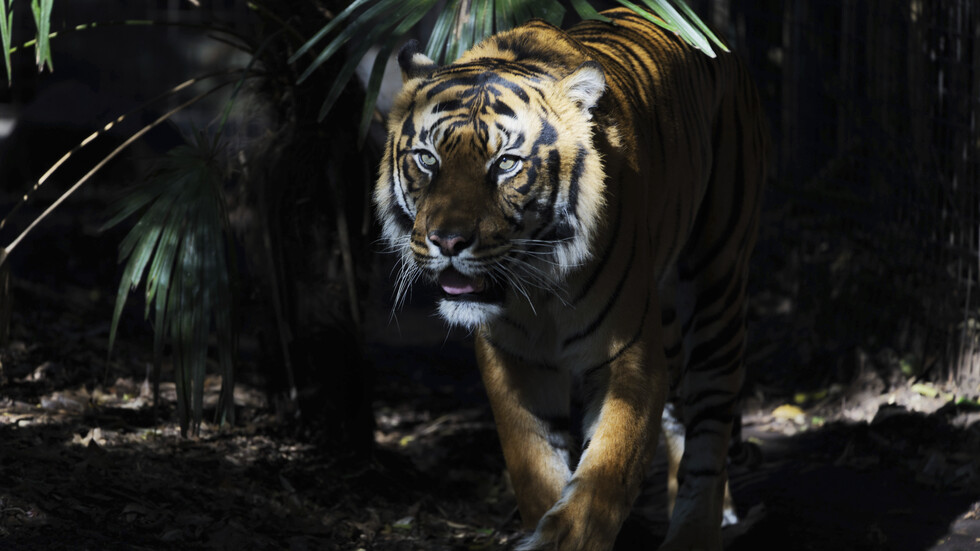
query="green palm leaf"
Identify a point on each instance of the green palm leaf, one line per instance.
(6, 24)
(693, 18)
(586, 11)
(42, 20)
(440, 31)
(459, 25)
(180, 247)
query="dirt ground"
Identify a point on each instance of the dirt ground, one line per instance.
(87, 464)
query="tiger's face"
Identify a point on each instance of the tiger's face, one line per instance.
(490, 184)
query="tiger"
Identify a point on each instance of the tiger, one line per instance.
(587, 201)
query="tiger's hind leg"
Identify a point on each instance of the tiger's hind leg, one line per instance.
(710, 296)
(707, 394)
(672, 424)
(674, 433)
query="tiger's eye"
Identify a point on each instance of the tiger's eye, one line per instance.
(506, 163)
(427, 159)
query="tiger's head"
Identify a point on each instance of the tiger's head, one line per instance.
(490, 185)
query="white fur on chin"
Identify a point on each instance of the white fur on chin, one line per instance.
(468, 314)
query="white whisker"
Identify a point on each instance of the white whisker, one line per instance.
(514, 282)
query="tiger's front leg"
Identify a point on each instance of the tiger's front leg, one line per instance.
(531, 409)
(621, 429)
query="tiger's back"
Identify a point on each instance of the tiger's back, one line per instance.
(588, 202)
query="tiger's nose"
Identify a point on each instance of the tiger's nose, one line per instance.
(450, 243)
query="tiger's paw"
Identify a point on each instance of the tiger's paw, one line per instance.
(556, 533)
(583, 523)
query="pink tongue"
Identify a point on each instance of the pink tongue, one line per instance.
(455, 283)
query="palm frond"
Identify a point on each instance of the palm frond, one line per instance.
(42, 20)
(677, 23)
(179, 251)
(408, 14)
(460, 24)
(440, 31)
(693, 18)
(158, 241)
(585, 10)
(461, 39)
(6, 26)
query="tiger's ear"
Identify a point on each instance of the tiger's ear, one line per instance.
(584, 86)
(413, 62)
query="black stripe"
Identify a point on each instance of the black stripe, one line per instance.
(517, 89)
(606, 255)
(735, 212)
(702, 473)
(501, 108)
(636, 337)
(561, 231)
(438, 122)
(515, 223)
(609, 303)
(515, 325)
(482, 133)
(448, 105)
(730, 361)
(404, 221)
(548, 135)
(468, 81)
(501, 348)
(710, 296)
(711, 431)
(573, 186)
(728, 394)
(548, 210)
(735, 295)
(408, 127)
(707, 349)
(721, 413)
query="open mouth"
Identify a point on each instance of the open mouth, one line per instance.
(457, 286)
